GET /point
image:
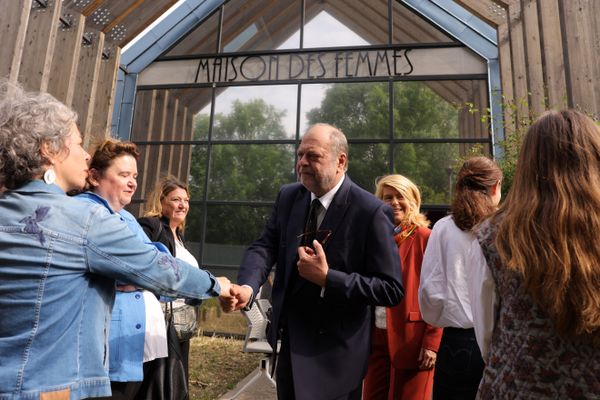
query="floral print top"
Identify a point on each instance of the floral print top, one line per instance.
(527, 357)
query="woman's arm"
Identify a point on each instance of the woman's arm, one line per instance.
(482, 292)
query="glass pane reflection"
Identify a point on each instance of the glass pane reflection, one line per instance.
(249, 172)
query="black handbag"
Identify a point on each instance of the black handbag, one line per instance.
(164, 378)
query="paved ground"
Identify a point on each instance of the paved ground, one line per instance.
(256, 386)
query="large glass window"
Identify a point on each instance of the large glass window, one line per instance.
(234, 142)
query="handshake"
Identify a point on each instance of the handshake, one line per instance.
(233, 297)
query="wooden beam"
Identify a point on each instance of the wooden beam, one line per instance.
(161, 117)
(93, 6)
(13, 31)
(484, 9)
(174, 136)
(105, 93)
(519, 60)
(533, 47)
(578, 28)
(63, 72)
(122, 15)
(142, 131)
(166, 149)
(553, 56)
(36, 61)
(505, 59)
(88, 73)
(188, 130)
(181, 118)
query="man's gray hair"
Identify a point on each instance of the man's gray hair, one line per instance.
(28, 120)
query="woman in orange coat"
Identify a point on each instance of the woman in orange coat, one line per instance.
(404, 347)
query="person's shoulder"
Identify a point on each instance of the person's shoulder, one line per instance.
(291, 187)
(151, 222)
(423, 232)
(364, 197)
(127, 215)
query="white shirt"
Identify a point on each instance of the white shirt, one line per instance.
(443, 290)
(482, 291)
(155, 337)
(326, 200)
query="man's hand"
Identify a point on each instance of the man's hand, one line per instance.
(238, 298)
(427, 358)
(312, 264)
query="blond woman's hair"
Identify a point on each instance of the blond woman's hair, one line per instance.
(411, 194)
(551, 218)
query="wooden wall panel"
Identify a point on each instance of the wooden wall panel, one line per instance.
(578, 32)
(552, 50)
(105, 93)
(184, 149)
(187, 153)
(175, 135)
(518, 58)
(142, 131)
(535, 73)
(88, 73)
(181, 121)
(63, 71)
(13, 31)
(36, 61)
(165, 150)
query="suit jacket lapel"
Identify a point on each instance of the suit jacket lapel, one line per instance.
(295, 227)
(336, 210)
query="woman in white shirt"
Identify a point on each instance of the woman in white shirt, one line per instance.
(443, 290)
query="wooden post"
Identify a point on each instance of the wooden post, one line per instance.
(40, 39)
(63, 72)
(535, 73)
(105, 93)
(552, 49)
(142, 131)
(88, 73)
(14, 21)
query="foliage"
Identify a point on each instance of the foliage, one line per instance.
(241, 171)
(361, 111)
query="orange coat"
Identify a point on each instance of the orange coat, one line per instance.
(407, 333)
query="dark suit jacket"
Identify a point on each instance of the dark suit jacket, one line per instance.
(329, 337)
(158, 230)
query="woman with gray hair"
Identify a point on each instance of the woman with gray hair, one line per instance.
(60, 258)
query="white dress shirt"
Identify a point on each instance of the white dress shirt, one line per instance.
(443, 291)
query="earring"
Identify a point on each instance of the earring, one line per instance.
(49, 176)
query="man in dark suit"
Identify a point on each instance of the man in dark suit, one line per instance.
(336, 258)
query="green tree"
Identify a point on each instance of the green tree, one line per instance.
(361, 110)
(241, 171)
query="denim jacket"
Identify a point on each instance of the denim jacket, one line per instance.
(59, 259)
(128, 320)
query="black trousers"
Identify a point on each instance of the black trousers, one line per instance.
(285, 379)
(459, 366)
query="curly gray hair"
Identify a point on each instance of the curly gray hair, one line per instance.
(28, 120)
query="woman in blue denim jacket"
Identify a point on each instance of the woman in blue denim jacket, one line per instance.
(60, 257)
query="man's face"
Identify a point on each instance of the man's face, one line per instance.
(318, 168)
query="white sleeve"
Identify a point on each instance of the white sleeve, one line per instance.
(482, 293)
(432, 286)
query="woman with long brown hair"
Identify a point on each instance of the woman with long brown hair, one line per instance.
(539, 311)
(443, 291)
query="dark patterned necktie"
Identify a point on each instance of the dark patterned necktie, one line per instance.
(310, 229)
